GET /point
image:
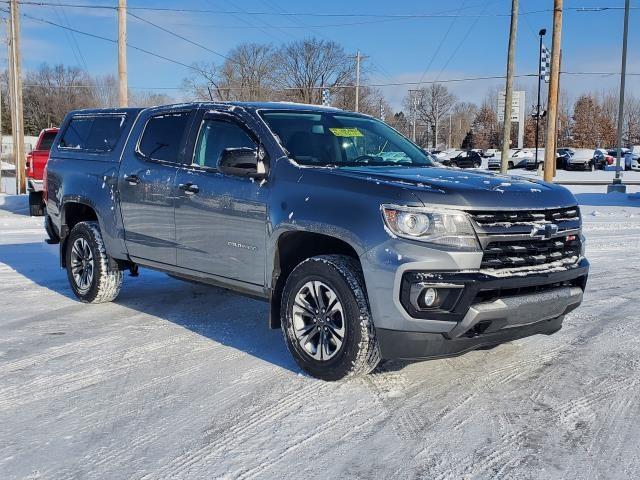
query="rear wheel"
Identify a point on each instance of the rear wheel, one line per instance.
(36, 208)
(88, 271)
(326, 320)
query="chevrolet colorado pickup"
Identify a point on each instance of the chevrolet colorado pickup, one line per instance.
(364, 248)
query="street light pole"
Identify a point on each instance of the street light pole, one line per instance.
(617, 182)
(542, 33)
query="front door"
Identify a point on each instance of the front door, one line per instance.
(147, 187)
(221, 219)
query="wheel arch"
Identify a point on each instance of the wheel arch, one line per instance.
(74, 211)
(291, 248)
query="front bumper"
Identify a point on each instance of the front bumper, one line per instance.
(489, 309)
(399, 345)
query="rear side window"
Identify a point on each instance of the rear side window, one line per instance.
(47, 141)
(93, 133)
(164, 135)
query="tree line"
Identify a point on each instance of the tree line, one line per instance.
(443, 121)
(298, 71)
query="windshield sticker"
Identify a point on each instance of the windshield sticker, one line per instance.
(346, 132)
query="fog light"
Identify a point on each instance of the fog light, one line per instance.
(430, 297)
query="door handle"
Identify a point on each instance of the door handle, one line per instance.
(189, 188)
(132, 179)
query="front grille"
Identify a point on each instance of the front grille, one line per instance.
(513, 218)
(529, 253)
(526, 250)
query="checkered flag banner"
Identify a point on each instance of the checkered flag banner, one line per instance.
(326, 97)
(545, 64)
(382, 112)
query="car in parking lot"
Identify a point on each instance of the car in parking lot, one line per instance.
(517, 159)
(582, 159)
(602, 159)
(463, 159)
(632, 161)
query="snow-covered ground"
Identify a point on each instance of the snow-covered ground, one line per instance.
(175, 380)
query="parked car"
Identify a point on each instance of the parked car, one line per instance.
(582, 159)
(517, 159)
(632, 161)
(36, 161)
(602, 159)
(490, 153)
(361, 256)
(563, 154)
(463, 159)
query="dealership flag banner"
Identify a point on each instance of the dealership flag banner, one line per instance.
(545, 64)
(326, 97)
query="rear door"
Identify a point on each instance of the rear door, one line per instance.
(221, 219)
(146, 183)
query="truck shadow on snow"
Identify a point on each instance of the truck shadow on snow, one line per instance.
(214, 313)
(586, 200)
(16, 204)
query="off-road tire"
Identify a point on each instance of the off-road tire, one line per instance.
(36, 208)
(359, 353)
(106, 282)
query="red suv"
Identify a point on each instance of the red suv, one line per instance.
(36, 161)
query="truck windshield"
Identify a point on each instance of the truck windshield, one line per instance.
(342, 140)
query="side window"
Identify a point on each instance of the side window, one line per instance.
(93, 133)
(164, 135)
(214, 137)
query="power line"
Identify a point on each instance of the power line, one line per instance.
(106, 39)
(390, 84)
(316, 14)
(188, 40)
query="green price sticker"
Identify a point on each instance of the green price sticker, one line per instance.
(346, 132)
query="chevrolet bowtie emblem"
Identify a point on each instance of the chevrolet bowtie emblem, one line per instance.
(544, 231)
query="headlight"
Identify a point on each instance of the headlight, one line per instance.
(443, 227)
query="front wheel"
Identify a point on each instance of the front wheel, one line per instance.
(88, 271)
(326, 320)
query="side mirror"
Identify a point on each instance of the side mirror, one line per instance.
(242, 162)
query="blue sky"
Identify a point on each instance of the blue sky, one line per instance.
(400, 50)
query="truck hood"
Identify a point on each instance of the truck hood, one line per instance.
(463, 188)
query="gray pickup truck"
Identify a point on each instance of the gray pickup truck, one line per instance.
(364, 248)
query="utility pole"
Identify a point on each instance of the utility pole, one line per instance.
(542, 33)
(617, 186)
(17, 110)
(359, 57)
(414, 93)
(123, 94)
(554, 83)
(508, 99)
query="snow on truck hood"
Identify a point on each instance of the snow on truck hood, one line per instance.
(466, 188)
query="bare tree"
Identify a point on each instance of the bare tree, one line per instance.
(632, 120)
(52, 91)
(303, 67)
(485, 126)
(458, 123)
(434, 103)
